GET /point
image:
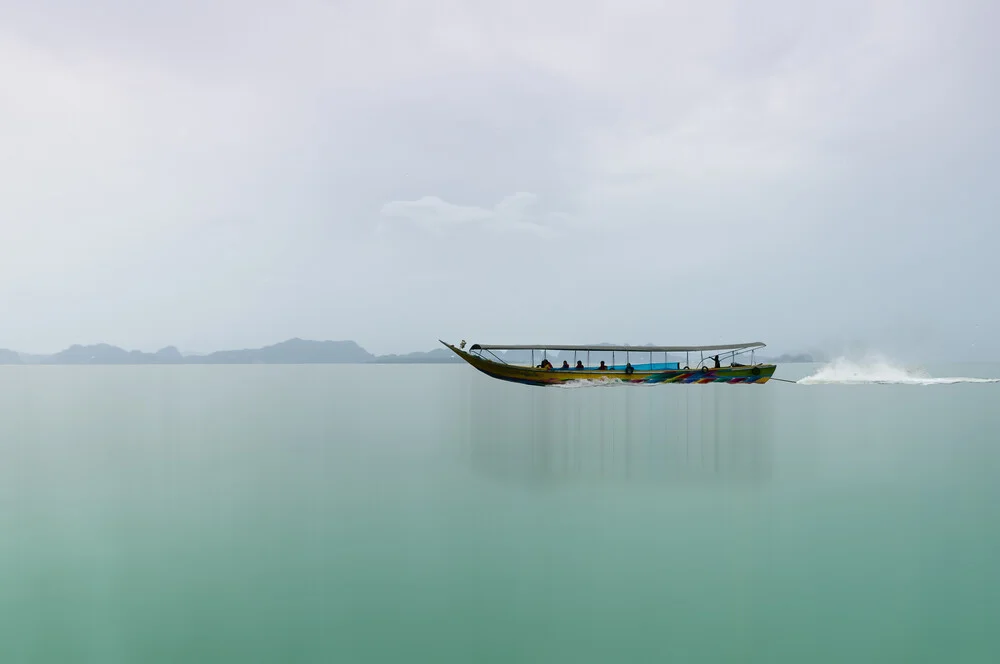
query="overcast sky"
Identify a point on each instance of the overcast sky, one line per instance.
(234, 173)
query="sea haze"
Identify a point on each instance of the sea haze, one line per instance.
(293, 351)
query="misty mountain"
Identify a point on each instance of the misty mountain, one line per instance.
(293, 351)
(107, 354)
(436, 356)
(302, 351)
(793, 358)
(10, 357)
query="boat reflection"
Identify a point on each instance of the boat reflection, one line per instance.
(656, 434)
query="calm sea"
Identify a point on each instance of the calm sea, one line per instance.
(431, 514)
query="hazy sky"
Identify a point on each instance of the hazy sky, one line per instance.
(234, 173)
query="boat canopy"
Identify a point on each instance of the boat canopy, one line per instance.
(623, 349)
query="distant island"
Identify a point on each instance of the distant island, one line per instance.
(293, 351)
(793, 358)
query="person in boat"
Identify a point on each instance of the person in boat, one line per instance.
(628, 368)
(716, 358)
(603, 366)
(565, 364)
(579, 364)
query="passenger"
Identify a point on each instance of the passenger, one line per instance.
(579, 364)
(546, 364)
(628, 368)
(603, 366)
(716, 358)
(565, 364)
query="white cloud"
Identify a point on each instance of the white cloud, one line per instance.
(513, 213)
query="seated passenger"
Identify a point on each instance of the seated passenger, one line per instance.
(565, 364)
(603, 366)
(579, 364)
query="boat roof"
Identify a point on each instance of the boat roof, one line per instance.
(629, 349)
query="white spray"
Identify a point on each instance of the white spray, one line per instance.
(877, 369)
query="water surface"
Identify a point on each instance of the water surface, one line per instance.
(429, 513)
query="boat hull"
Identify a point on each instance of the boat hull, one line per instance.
(746, 375)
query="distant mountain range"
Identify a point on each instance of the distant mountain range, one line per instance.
(293, 351)
(794, 358)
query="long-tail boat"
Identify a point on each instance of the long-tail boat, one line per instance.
(705, 369)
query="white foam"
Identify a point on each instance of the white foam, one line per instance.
(588, 382)
(877, 370)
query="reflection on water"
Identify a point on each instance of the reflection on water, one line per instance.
(651, 434)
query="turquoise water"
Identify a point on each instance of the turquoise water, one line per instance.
(429, 513)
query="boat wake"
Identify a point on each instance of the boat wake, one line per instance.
(595, 382)
(879, 371)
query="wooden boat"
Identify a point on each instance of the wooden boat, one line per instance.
(705, 369)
